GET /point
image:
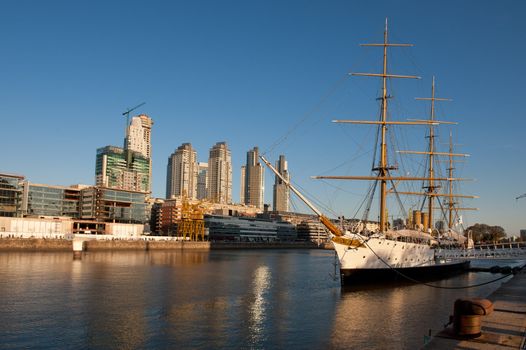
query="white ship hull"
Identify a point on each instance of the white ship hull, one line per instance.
(381, 258)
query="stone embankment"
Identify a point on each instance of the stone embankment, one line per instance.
(34, 244)
(42, 244)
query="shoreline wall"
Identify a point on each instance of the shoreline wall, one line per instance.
(43, 244)
(35, 244)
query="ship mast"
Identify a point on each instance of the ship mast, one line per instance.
(430, 190)
(431, 187)
(383, 168)
(451, 201)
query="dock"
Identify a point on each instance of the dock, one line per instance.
(505, 328)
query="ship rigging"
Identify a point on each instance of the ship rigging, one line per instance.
(413, 249)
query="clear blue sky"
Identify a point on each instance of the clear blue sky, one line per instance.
(247, 72)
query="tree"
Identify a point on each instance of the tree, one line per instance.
(486, 233)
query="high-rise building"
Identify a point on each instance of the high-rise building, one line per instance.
(182, 171)
(220, 174)
(139, 135)
(281, 195)
(254, 180)
(242, 184)
(138, 139)
(202, 180)
(122, 169)
(128, 168)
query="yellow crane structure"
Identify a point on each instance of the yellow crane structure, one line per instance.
(191, 226)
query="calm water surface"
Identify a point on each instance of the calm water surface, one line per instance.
(258, 299)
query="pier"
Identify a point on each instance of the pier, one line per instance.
(505, 328)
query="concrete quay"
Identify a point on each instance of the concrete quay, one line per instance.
(89, 244)
(504, 328)
(35, 244)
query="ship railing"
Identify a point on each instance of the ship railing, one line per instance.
(506, 251)
(501, 245)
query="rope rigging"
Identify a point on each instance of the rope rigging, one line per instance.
(369, 200)
(307, 115)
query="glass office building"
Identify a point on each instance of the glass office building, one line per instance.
(122, 169)
(248, 229)
(45, 200)
(11, 195)
(111, 205)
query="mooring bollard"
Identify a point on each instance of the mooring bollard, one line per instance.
(467, 315)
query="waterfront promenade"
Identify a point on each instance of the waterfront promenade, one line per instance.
(505, 328)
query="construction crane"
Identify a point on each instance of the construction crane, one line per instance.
(192, 224)
(521, 196)
(127, 114)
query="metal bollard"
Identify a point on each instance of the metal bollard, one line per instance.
(467, 315)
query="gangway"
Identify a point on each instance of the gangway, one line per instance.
(501, 251)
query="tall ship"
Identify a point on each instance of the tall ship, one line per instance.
(414, 249)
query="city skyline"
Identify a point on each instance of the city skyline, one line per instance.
(260, 74)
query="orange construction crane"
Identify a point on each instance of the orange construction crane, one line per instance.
(192, 223)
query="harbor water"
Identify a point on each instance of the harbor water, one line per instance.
(229, 299)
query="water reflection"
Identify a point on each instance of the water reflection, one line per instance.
(206, 300)
(178, 258)
(398, 316)
(260, 286)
